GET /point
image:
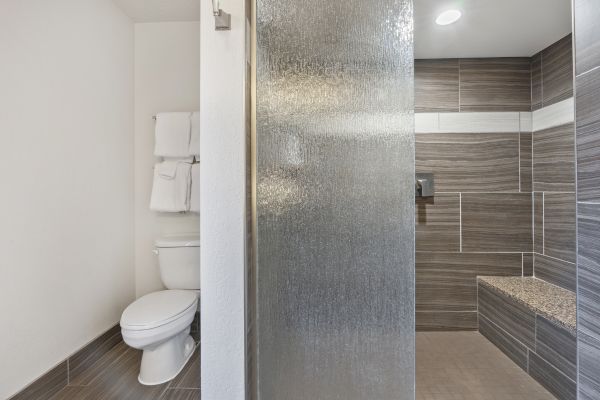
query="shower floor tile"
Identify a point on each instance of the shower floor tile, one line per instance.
(466, 366)
(114, 377)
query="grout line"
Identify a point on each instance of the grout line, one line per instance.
(459, 94)
(587, 72)
(554, 258)
(543, 223)
(520, 186)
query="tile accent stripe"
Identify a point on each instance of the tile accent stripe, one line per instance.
(557, 114)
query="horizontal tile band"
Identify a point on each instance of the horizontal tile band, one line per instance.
(551, 116)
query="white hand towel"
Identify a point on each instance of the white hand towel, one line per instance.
(195, 189)
(172, 134)
(170, 192)
(195, 135)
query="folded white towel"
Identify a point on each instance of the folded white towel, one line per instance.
(195, 189)
(172, 134)
(195, 135)
(171, 187)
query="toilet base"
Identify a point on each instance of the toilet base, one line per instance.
(163, 362)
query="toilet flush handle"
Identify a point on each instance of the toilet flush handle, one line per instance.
(155, 251)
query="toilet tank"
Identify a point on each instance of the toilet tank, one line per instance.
(179, 261)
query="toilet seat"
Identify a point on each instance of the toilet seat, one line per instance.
(157, 309)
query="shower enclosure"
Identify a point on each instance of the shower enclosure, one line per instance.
(331, 297)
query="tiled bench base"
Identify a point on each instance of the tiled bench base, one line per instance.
(533, 323)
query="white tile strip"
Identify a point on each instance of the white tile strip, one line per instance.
(427, 122)
(479, 122)
(489, 122)
(555, 115)
(526, 121)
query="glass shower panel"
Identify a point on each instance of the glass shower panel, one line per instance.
(334, 200)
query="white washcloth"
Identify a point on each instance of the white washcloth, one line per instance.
(195, 189)
(171, 187)
(195, 135)
(172, 134)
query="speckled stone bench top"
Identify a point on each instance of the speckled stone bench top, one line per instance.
(551, 302)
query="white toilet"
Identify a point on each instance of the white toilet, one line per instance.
(159, 323)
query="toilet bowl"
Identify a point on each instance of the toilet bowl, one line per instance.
(159, 323)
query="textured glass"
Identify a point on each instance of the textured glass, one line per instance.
(335, 200)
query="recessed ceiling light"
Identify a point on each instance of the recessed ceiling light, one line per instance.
(448, 17)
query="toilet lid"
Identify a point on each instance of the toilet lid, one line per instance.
(158, 308)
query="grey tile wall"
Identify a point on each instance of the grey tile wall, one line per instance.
(559, 226)
(470, 162)
(495, 84)
(525, 165)
(555, 271)
(554, 159)
(538, 223)
(536, 82)
(448, 281)
(497, 222)
(587, 116)
(527, 264)
(438, 223)
(557, 383)
(588, 136)
(446, 321)
(548, 352)
(508, 315)
(436, 85)
(557, 71)
(587, 35)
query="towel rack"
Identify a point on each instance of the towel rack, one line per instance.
(222, 19)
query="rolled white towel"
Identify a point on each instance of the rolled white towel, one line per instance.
(171, 186)
(195, 189)
(195, 135)
(172, 134)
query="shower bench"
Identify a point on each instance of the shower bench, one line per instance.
(534, 323)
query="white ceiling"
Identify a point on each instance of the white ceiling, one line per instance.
(490, 28)
(160, 10)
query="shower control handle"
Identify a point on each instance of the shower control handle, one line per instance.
(424, 185)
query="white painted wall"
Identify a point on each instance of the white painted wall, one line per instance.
(222, 181)
(66, 173)
(167, 61)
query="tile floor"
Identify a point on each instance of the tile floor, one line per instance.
(450, 366)
(466, 366)
(114, 377)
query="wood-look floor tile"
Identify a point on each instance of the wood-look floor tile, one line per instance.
(554, 159)
(588, 137)
(557, 71)
(470, 162)
(496, 222)
(70, 393)
(495, 84)
(181, 394)
(189, 378)
(105, 362)
(438, 223)
(436, 85)
(92, 352)
(46, 386)
(118, 379)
